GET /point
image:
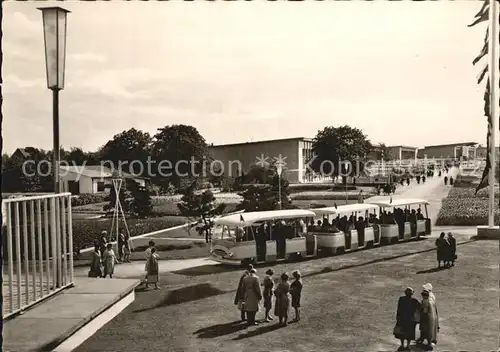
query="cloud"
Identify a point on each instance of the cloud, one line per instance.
(17, 20)
(23, 83)
(92, 57)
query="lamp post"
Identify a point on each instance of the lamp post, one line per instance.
(279, 170)
(54, 31)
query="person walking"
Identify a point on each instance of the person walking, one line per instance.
(252, 296)
(453, 248)
(96, 269)
(120, 244)
(239, 299)
(147, 255)
(103, 240)
(109, 261)
(296, 292)
(126, 249)
(282, 294)
(268, 293)
(153, 269)
(446, 180)
(407, 318)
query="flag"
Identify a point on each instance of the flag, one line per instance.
(390, 200)
(241, 218)
(335, 205)
(487, 113)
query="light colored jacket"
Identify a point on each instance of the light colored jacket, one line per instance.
(252, 293)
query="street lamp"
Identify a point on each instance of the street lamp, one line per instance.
(279, 170)
(54, 31)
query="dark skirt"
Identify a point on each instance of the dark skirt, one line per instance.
(295, 301)
(268, 302)
(408, 331)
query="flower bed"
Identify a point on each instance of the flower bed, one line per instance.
(328, 195)
(463, 208)
(84, 199)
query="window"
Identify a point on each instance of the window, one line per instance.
(100, 186)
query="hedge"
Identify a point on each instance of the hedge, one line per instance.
(85, 232)
(463, 208)
(84, 199)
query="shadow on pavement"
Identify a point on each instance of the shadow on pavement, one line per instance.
(432, 270)
(220, 330)
(206, 270)
(184, 295)
(259, 331)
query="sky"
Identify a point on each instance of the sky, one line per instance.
(248, 71)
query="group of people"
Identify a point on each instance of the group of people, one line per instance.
(152, 266)
(249, 295)
(411, 312)
(446, 250)
(104, 257)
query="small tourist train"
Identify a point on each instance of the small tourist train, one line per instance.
(297, 234)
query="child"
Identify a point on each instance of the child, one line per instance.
(152, 277)
(296, 291)
(268, 293)
(109, 261)
(126, 249)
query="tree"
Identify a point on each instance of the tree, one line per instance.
(126, 147)
(266, 195)
(202, 207)
(77, 157)
(384, 152)
(141, 203)
(183, 149)
(333, 146)
(124, 197)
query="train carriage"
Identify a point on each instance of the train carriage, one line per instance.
(237, 238)
(339, 242)
(407, 230)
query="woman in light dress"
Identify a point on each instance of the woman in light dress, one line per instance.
(109, 259)
(429, 321)
(153, 269)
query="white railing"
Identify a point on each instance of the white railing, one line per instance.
(37, 249)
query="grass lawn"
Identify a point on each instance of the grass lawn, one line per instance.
(344, 309)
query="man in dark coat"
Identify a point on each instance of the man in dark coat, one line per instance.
(240, 295)
(407, 318)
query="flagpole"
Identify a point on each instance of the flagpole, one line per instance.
(494, 87)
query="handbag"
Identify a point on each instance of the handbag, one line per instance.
(416, 316)
(397, 331)
(241, 305)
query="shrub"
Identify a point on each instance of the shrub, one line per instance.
(327, 196)
(84, 199)
(85, 231)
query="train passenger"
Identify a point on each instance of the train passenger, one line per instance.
(420, 216)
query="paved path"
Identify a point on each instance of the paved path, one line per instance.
(433, 191)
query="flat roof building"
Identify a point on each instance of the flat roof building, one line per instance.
(239, 158)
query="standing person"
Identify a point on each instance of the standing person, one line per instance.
(407, 318)
(451, 180)
(441, 249)
(96, 269)
(153, 269)
(239, 299)
(418, 179)
(408, 181)
(109, 261)
(103, 240)
(120, 244)
(147, 255)
(296, 292)
(126, 249)
(252, 296)
(429, 322)
(268, 293)
(446, 180)
(282, 294)
(453, 248)
(360, 197)
(423, 179)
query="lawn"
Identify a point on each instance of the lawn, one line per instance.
(344, 309)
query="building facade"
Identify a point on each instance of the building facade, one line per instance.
(295, 153)
(90, 179)
(449, 151)
(401, 152)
